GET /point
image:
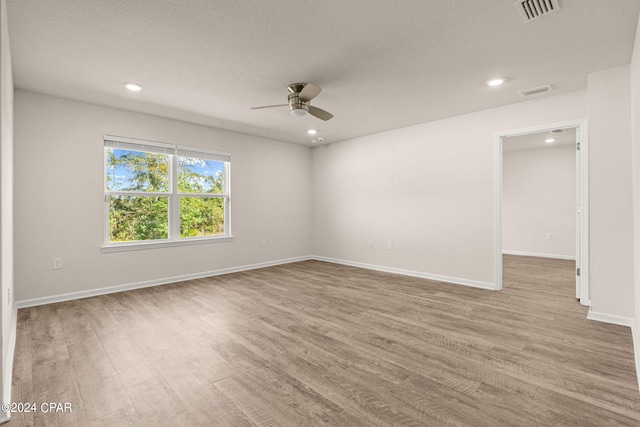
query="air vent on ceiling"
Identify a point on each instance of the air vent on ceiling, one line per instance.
(534, 9)
(557, 131)
(535, 90)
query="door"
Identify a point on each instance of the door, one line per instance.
(578, 214)
(582, 202)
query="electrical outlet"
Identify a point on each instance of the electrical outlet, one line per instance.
(548, 236)
(370, 243)
(390, 245)
(57, 263)
(263, 242)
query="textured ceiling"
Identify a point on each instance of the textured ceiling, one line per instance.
(382, 64)
(537, 140)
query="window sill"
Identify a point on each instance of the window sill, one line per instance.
(136, 246)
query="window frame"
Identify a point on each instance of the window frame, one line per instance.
(174, 197)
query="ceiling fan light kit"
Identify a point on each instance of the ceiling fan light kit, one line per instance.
(300, 94)
(297, 106)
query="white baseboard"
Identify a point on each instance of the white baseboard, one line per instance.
(636, 350)
(148, 283)
(8, 369)
(610, 318)
(622, 321)
(167, 280)
(412, 273)
(539, 255)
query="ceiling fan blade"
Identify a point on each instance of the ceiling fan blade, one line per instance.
(270, 106)
(320, 113)
(309, 92)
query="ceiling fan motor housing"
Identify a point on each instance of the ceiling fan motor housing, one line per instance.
(297, 106)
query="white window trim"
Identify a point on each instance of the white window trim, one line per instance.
(174, 238)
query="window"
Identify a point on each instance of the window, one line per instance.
(164, 194)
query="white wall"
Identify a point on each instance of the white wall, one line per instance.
(635, 135)
(539, 197)
(611, 195)
(427, 188)
(6, 197)
(59, 198)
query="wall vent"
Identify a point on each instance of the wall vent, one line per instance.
(535, 90)
(557, 131)
(531, 10)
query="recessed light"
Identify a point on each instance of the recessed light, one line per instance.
(495, 82)
(312, 131)
(549, 140)
(133, 87)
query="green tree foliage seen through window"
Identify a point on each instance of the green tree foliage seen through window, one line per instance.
(134, 218)
(139, 216)
(200, 216)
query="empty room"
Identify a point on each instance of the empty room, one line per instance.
(340, 213)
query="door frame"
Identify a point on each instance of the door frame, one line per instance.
(582, 183)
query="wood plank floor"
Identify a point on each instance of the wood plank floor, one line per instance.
(314, 343)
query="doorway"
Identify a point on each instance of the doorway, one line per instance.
(580, 144)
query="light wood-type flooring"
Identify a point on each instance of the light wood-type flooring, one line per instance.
(313, 343)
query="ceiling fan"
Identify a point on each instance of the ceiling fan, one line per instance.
(300, 94)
